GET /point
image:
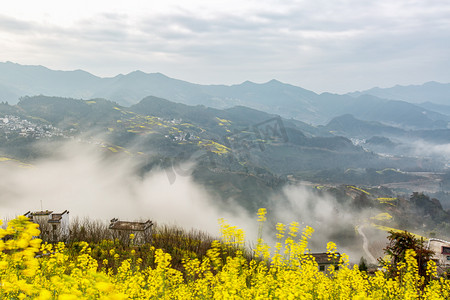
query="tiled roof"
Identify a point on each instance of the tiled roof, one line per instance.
(132, 226)
(323, 258)
(42, 213)
(53, 217)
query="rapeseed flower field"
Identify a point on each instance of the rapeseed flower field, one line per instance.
(30, 269)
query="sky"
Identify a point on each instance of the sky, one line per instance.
(335, 46)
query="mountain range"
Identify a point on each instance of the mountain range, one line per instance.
(273, 97)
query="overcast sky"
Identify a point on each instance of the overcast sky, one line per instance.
(334, 45)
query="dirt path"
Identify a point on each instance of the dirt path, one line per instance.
(370, 258)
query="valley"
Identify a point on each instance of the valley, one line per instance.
(244, 158)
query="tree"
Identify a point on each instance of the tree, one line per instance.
(362, 264)
(399, 242)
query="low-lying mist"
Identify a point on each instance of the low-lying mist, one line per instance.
(89, 182)
(423, 148)
(331, 220)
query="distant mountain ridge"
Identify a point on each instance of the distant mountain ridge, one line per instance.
(347, 125)
(435, 92)
(273, 97)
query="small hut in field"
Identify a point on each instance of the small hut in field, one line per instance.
(122, 230)
(323, 261)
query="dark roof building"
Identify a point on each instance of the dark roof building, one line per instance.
(130, 226)
(324, 260)
(142, 231)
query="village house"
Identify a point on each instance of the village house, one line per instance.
(441, 255)
(142, 231)
(53, 226)
(324, 261)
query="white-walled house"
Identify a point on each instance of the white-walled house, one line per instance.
(53, 226)
(441, 255)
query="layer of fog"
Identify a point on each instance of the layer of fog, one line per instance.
(417, 154)
(331, 220)
(88, 183)
(426, 149)
(81, 179)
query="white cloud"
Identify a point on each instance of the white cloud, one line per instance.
(321, 45)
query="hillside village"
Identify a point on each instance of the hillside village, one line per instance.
(13, 125)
